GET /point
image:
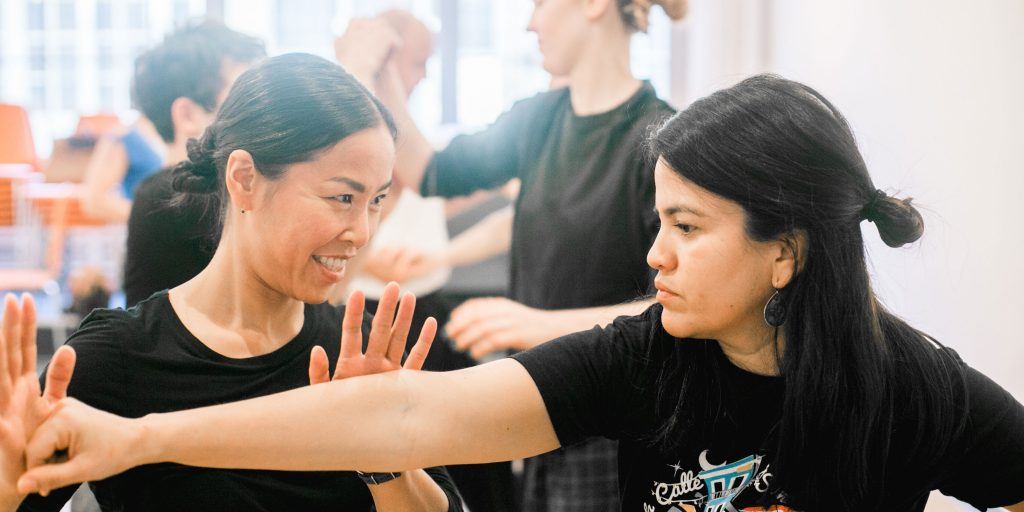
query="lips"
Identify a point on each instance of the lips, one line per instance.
(664, 292)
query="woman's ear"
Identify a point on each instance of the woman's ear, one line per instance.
(790, 258)
(239, 179)
(594, 9)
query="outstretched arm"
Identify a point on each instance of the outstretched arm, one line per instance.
(394, 421)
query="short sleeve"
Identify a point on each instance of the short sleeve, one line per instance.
(987, 467)
(493, 156)
(98, 380)
(593, 382)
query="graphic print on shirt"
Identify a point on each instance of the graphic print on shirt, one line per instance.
(714, 488)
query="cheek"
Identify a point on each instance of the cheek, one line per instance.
(718, 284)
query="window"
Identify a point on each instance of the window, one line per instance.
(38, 93)
(104, 57)
(67, 15)
(137, 15)
(37, 57)
(35, 15)
(104, 15)
(180, 12)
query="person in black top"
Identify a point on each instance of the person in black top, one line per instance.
(179, 84)
(297, 165)
(585, 207)
(767, 377)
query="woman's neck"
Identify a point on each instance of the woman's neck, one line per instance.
(241, 314)
(753, 348)
(602, 79)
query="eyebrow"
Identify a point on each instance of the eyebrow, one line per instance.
(672, 210)
(358, 187)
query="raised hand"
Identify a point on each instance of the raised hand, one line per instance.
(492, 324)
(365, 47)
(22, 409)
(387, 339)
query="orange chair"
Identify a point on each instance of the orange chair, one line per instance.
(13, 176)
(97, 125)
(16, 144)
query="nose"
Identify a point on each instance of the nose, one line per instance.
(660, 257)
(359, 230)
(531, 26)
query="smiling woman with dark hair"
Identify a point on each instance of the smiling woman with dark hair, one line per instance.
(768, 377)
(295, 167)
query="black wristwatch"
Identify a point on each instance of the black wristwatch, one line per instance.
(376, 478)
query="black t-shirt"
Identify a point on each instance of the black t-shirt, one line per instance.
(167, 245)
(599, 383)
(143, 360)
(586, 206)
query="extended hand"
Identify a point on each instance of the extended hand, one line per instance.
(386, 344)
(491, 324)
(22, 409)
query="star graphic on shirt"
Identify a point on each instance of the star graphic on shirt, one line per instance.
(676, 467)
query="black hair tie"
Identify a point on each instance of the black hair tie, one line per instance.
(870, 210)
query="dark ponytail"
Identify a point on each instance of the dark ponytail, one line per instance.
(787, 156)
(283, 111)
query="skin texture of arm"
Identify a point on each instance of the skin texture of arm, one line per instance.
(396, 421)
(107, 167)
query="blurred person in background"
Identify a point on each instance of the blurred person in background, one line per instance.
(118, 164)
(585, 206)
(179, 85)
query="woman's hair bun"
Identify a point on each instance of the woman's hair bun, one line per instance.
(197, 174)
(636, 13)
(898, 222)
(674, 9)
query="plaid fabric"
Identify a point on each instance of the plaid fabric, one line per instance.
(580, 478)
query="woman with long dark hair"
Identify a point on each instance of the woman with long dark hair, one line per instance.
(767, 377)
(295, 168)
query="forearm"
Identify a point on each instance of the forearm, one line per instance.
(397, 421)
(568, 321)
(108, 207)
(414, 490)
(413, 151)
(488, 238)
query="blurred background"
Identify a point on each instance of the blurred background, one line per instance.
(932, 89)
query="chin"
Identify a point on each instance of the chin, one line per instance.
(676, 324)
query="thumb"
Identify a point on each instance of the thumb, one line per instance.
(58, 375)
(319, 367)
(43, 479)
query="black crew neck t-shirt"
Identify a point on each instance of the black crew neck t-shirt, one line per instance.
(144, 360)
(586, 205)
(602, 383)
(166, 245)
